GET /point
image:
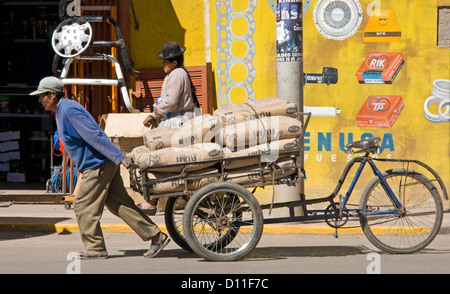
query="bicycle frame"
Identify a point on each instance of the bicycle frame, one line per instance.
(327, 214)
(384, 184)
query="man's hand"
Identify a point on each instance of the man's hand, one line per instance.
(149, 121)
(127, 161)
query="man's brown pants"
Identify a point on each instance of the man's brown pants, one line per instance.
(102, 186)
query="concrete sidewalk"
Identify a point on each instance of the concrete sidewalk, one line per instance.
(56, 218)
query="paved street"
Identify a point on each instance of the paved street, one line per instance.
(40, 252)
(44, 239)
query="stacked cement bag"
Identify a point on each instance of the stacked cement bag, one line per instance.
(159, 138)
(180, 147)
(251, 175)
(198, 130)
(257, 131)
(168, 185)
(265, 127)
(236, 113)
(177, 156)
(266, 152)
(234, 131)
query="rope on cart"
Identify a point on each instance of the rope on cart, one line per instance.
(275, 169)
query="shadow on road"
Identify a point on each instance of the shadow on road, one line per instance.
(26, 227)
(304, 251)
(265, 253)
(24, 234)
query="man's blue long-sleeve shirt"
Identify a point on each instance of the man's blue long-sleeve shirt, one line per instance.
(86, 143)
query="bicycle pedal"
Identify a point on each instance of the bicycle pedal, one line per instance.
(303, 173)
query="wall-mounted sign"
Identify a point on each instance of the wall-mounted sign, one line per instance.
(440, 95)
(380, 111)
(289, 30)
(273, 5)
(380, 68)
(382, 27)
(337, 19)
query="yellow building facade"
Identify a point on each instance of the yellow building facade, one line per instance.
(239, 38)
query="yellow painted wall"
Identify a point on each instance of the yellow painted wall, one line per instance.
(412, 136)
(164, 21)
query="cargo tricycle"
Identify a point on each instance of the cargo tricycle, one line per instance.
(400, 210)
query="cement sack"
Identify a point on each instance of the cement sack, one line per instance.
(159, 138)
(258, 131)
(178, 185)
(138, 154)
(252, 175)
(267, 153)
(236, 113)
(200, 129)
(181, 156)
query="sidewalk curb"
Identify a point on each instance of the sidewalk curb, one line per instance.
(122, 228)
(65, 227)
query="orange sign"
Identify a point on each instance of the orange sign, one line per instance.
(382, 27)
(380, 111)
(380, 68)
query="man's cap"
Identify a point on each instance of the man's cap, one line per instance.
(49, 84)
(171, 50)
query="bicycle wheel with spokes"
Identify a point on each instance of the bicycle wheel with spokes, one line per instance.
(406, 230)
(173, 217)
(222, 222)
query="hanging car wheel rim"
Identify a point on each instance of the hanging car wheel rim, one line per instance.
(72, 37)
(173, 217)
(223, 222)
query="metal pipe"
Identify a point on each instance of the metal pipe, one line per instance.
(290, 79)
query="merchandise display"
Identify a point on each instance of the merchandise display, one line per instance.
(441, 97)
(380, 111)
(337, 19)
(380, 68)
(382, 27)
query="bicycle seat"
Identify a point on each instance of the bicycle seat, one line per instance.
(364, 145)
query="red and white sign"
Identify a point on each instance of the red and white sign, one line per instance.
(380, 111)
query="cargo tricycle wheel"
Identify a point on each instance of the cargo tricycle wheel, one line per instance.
(222, 222)
(173, 217)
